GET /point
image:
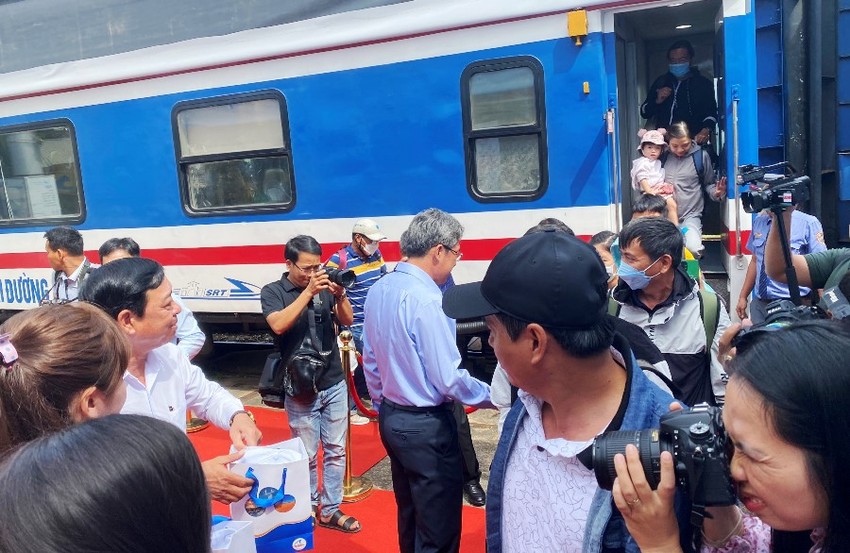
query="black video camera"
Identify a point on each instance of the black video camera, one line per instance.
(778, 193)
(344, 278)
(700, 448)
(779, 314)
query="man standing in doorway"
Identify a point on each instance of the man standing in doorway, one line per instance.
(682, 94)
(414, 376)
(64, 247)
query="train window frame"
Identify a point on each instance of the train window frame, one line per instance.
(69, 220)
(538, 129)
(184, 161)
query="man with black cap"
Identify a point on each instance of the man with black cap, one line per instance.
(544, 300)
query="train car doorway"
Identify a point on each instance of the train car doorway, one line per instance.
(643, 37)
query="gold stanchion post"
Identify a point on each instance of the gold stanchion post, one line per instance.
(354, 488)
(194, 424)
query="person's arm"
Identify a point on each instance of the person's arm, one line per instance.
(717, 371)
(223, 485)
(283, 320)
(747, 289)
(370, 369)
(211, 401)
(715, 188)
(814, 237)
(190, 337)
(435, 341)
(705, 107)
(774, 261)
(659, 94)
(342, 305)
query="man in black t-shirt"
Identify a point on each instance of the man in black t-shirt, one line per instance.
(305, 291)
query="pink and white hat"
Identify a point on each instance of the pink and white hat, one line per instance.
(653, 137)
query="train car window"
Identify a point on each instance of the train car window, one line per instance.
(504, 124)
(40, 175)
(233, 154)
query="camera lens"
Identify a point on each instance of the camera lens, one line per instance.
(611, 443)
(343, 278)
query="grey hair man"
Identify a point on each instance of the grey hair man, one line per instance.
(413, 374)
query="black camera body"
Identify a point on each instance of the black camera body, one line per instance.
(701, 452)
(779, 314)
(777, 194)
(344, 278)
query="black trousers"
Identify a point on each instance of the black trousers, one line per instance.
(471, 470)
(427, 475)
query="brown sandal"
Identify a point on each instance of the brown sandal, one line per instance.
(342, 522)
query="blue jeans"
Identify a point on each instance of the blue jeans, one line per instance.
(325, 417)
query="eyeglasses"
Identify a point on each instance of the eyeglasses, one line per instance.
(309, 269)
(457, 253)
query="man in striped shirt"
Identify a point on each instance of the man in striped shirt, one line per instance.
(364, 258)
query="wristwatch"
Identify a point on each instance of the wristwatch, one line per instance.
(249, 413)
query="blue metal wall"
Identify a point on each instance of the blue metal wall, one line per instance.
(842, 139)
(770, 81)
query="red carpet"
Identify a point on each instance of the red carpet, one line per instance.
(366, 447)
(376, 513)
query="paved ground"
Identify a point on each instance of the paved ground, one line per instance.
(239, 371)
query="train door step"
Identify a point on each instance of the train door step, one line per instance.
(711, 262)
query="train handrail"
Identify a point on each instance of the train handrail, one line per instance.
(734, 180)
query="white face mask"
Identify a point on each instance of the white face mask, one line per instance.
(370, 249)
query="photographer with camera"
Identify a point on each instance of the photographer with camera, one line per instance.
(300, 308)
(786, 415)
(806, 236)
(815, 270)
(576, 377)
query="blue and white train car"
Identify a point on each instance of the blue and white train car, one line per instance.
(212, 132)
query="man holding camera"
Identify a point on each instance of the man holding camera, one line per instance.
(806, 236)
(815, 270)
(577, 377)
(300, 308)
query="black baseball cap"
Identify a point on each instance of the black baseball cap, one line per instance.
(549, 278)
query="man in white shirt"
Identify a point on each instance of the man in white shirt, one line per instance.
(161, 382)
(189, 338)
(64, 248)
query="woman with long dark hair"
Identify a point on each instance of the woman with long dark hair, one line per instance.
(787, 416)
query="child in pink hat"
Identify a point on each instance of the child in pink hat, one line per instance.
(648, 174)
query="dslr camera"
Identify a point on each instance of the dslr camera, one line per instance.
(700, 448)
(777, 193)
(779, 314)
(344, 278)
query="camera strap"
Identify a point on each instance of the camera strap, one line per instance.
(314, 320)
(698, 513)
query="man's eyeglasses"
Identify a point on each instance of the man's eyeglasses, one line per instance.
(310, 269)
(457, 253)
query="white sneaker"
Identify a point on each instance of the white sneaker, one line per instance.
(359, 420)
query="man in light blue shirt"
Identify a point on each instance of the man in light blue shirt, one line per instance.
(413, 373)
(806, 237)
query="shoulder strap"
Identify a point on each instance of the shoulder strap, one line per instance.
(699, 166)
(312, 317)
(614, 307)
(343, 259)
(709, 310)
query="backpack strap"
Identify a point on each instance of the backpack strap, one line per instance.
(614, 307)
(343, 259)
(699, 165)
(709, 311)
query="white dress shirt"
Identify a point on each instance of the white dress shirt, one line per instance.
(172, 385)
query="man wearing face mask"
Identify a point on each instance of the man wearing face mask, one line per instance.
(364, 258)
(656, 294)
(682, 94)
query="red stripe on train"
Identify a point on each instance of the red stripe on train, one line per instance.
(473, 250)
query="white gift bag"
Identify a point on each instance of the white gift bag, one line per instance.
(279, 502)
(233, 536)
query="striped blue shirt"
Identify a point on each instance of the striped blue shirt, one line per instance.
(367, 272)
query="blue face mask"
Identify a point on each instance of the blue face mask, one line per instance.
(634, 279)
(679, 70)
